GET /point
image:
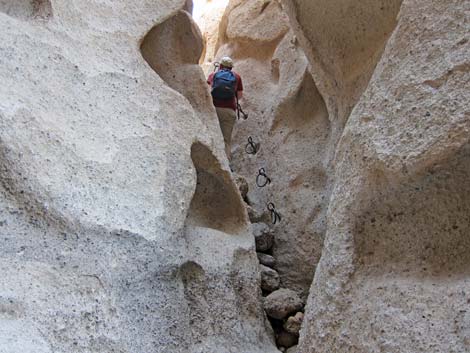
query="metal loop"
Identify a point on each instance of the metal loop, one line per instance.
(216, 65)
(275, 216)
(240, 111)
(262, 175)
(251, 147)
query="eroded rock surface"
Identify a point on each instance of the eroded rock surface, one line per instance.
(360, 111)
(114, 238)
(289, 121)
(281, 303)
(396, 252)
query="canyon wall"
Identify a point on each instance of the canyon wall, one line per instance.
(121, 227)
(289, 120)
(361, 115)
(394, 273)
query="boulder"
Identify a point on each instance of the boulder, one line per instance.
(266, 260)
(396, 259)
(264, 237)
(286, 339)
(281, 303)
(294, 323)
(293, 349)
(269, 279)
(256, 216)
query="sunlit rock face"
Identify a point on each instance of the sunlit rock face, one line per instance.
(360, 109)
(113, 238)
(289, 120)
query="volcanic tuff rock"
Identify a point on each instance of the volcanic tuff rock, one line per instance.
(361, 111)
(120, 225)
(266, 260)
(264, 237)
(289, 120)
(397, 250)
(269, 279)
(281, 303)
(294, 323)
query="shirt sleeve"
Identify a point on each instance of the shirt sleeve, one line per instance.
(240, 84)
(210, 78)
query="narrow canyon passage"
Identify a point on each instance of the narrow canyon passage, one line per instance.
(338, 222)
(294, 134)
(305, 66)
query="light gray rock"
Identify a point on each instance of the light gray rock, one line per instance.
(121, 228)
(266, 260)
(281, 303)
(395, 266)
(290, 121)
(269, 279)
(264, 237)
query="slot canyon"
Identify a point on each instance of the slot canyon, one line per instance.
(340, 223)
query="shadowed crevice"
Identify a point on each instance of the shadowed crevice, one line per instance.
(172, 49)
(216, 202)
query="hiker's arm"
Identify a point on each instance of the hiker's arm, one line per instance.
(240, 95)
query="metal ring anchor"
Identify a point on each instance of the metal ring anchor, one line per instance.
(216, 65)
(251, 147)
(275, 216)
(259, 179)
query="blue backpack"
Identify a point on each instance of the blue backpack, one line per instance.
(224, 85)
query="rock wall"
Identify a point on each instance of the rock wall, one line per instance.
(396, 251)
(112, 235)
(360, 111)
(289, 120)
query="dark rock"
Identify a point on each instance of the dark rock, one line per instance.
(270, 280)
(286, 339)
(292, 349)
(264, 237)
(266, 260)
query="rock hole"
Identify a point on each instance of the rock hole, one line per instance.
(216, 203)
(172, 49)
(27, 9)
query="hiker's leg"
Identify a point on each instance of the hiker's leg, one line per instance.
(227, 118)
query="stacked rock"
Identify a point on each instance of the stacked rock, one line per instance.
(282, 306)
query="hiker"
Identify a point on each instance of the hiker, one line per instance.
(226, 89)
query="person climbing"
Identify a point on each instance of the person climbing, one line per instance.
(227, 90)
